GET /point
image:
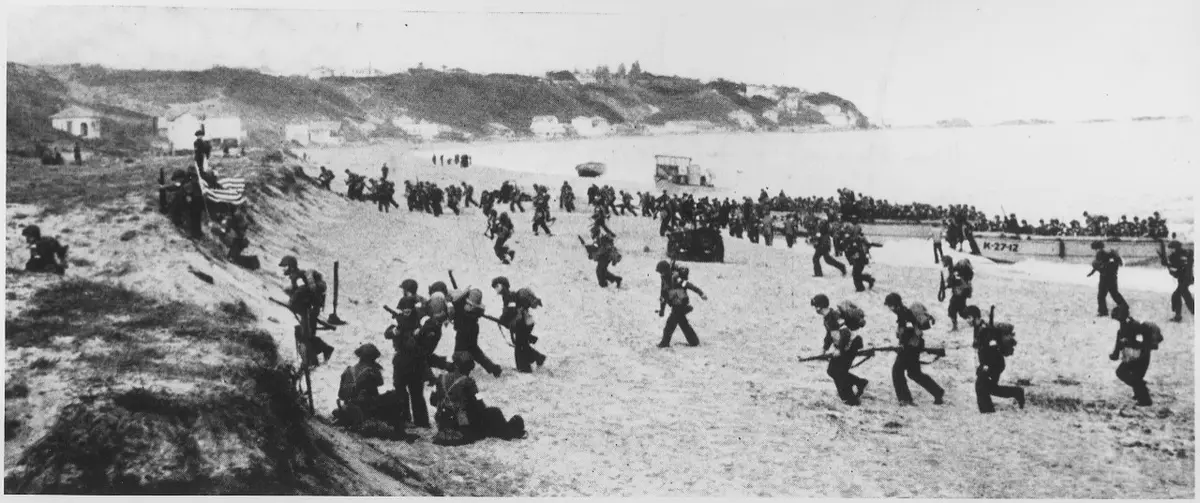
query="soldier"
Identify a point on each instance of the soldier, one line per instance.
(202, 150)
(519, 320)
(1180, 263)
(599, 219)
(502, 229)
(452, 197)
(1135, 342)
(673, 292)
(461, 416)
(325, 178)
(1107, 262)
(958, 280)
(858, 253)
(358, 392)
(842, 346)
(790, 231)
(822, 243)
(468, 308)
(606, 254)
(468, 195)
(409, 363)
(992, 343)
(627, 204)
(233, 232)
(541, 213)
(908, 359)
(45, 253)
(566, 198)
(435, 199)
(306, 299)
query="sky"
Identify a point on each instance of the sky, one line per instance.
(903, 62)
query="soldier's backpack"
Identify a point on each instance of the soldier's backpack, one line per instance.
(852, 315)
(964, 270)
(925, 321)
(1153, 335)
(1006, 337)
(346, 389)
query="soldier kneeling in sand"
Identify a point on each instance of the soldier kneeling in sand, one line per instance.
(45, 253)
(358, 392)
(461, 416)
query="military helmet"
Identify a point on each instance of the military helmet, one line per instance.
(367, 351)
(972, 312)
(409, 285)
(893, 300)
(1097, 245)
(1175, 245)
(1120, 312)
(663, 267)
(820, 301)
(683, 272)
(289, 262)
(32, 231)
(438, 286)
(501, 280)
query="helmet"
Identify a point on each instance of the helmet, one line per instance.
(663, 267)
(682, 271)
(820, 301)
(438, 286)
(1175, 245)
(32, 231)
(892, 300)
(1120, 312)
(409, 285)
(367, 351)
(501, 280)
(972, 312)
(1097, 245)
(289, 262)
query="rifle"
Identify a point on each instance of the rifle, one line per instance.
(868, 353)
(321, 325)
(453, 284)
(942, 287)
(591, 249)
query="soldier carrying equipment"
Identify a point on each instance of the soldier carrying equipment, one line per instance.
(45, 253)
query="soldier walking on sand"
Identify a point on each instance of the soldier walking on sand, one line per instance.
(468, 195)
(1135, 341)
(502, 229)
(519, 320)
(908, 359)
(1181, 264)
(992, 344)
(842, 346)
(822, 242)
(673, 292)
(1107, 263)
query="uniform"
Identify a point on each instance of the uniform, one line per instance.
(858, 254)
(607, 254)
(991, 350)
(1135, 342)
(908, 359)
(1181, 265)
(673, 292)
(821, 246)
(1107, 262)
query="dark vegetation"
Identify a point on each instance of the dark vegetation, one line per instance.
(241, 430)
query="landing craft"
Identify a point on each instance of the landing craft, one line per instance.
(679, 171)
(591, 169)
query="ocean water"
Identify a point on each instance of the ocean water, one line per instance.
(1051, 171)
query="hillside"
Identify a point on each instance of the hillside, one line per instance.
(464, 101)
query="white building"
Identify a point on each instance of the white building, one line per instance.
(743, 118)
(546, 126)
(591, 126)
(771, 115)
(78, 121)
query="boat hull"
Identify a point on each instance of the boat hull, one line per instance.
(591, 169)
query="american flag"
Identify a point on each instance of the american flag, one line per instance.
(231, 191)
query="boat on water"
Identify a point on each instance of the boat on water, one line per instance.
(1012, 248)
(591, 169)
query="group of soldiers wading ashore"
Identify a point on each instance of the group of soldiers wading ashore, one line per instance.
(461, 417)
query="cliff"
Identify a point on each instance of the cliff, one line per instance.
(464, 102)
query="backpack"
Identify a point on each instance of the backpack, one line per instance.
(852, 315)
(925, 321)
(346, 388)
(448, 412)
(315, 281)
(1153, 335)
(1005, 335)
(527, 299)
(964, 270)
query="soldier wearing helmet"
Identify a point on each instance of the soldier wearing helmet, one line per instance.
(1180, 263)
(1135, 341)
(992, 344)
(46, 254)
(517, 318)
(842, 346)
(468, 309)
(306, 299)
(675, 286)
(1107, 263)
(908, 359)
